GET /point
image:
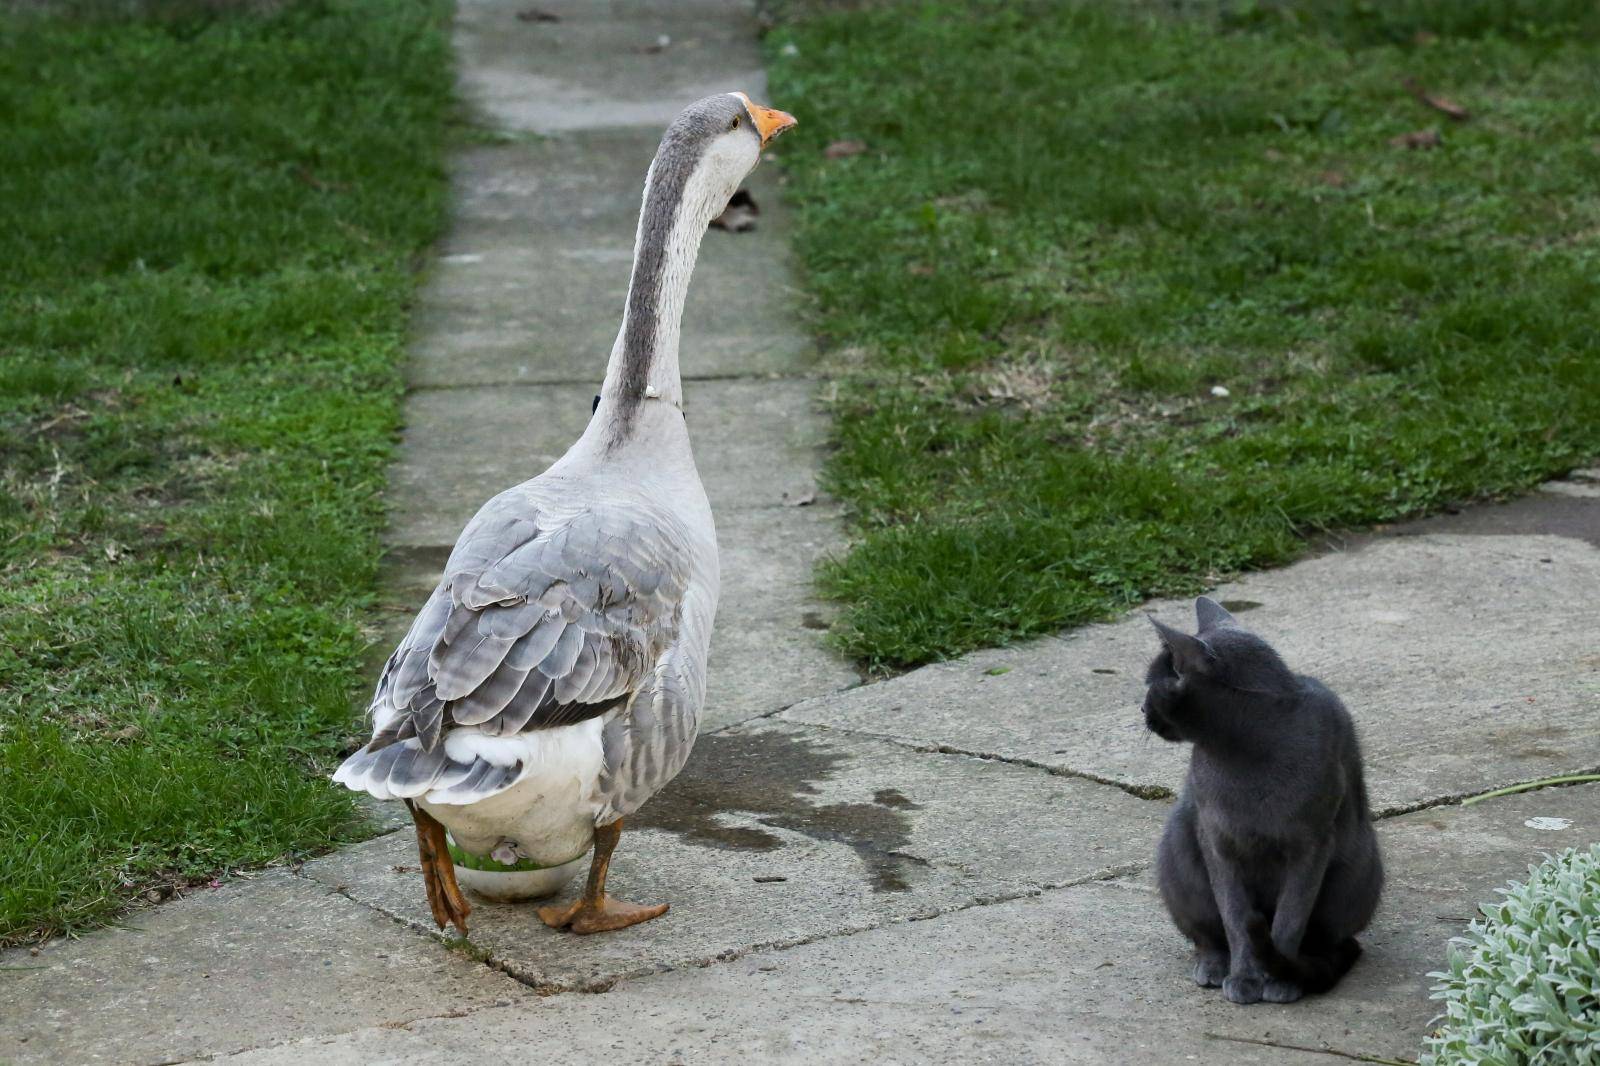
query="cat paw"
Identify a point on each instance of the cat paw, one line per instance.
(1275, 991)
(1210, 970)
(1244, 989)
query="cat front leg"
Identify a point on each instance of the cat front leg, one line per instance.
(1246, 978)
(1302, 884)
(1186, 890)
(1210, 967)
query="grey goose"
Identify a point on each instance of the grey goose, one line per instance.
(553, 681)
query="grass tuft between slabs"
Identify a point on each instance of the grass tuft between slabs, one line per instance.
(213, 219)
(1122, 298)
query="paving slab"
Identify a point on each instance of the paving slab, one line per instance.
(1091, 973)
(254, 962)
(1568, 507)
(1580, 484)
(768, 651)
(531, 280)
(1467, 661)
(777, 834)
(679, 1020)
(756, 443)
(604, 63)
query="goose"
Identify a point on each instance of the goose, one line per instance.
(552, 683)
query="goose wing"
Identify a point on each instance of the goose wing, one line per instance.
(545, 617)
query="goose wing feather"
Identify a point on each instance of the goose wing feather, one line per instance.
(546, 616)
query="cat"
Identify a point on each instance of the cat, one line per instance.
(1269, 863)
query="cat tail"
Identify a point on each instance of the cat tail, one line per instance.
(1313, 971)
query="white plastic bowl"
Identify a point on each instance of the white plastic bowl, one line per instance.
(514, 886)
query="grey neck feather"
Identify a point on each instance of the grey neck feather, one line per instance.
(655, 300)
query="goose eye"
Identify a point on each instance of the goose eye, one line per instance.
(736, 120)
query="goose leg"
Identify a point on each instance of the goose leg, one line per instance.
(596, 912)
(449, 906)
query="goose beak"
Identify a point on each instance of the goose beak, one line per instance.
(769, 121)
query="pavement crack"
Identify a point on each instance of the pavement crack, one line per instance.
(1471, 796)
(547, 383)
(485, 955)
(927, 914)
(762, 716)
(1567, 779)
(1144, 792)
(1114, 876)
(1354, 1056)
(462, 945)
(544, 986)
(324, 1038)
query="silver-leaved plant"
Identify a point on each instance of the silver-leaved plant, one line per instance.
(1523, 984)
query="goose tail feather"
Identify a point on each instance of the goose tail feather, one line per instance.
(405, 769)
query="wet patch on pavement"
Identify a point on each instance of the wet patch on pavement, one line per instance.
(771, 777)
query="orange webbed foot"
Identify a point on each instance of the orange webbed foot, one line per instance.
(584, 916)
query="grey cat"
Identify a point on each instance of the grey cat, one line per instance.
(1269, 862)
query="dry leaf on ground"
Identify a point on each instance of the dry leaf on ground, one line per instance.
(1442, 104)
(1428, 138)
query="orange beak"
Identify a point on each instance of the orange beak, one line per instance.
(769, 122)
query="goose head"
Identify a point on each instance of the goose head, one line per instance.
(707, 151)
(710, 148)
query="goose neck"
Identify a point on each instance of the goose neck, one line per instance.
(644, 361)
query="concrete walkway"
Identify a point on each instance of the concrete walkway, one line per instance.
(951, 866)
(517, 322)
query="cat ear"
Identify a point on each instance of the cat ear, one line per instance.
(1212, 614)
(1190, 655)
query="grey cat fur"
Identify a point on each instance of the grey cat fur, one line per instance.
(1269, 863)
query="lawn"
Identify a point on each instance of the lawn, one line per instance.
(1121, 298)
(212, 224)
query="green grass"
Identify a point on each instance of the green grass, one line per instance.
(1073, 220)
(211, 227)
